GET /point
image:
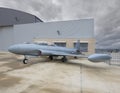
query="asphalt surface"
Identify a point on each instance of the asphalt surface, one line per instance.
(43, 76)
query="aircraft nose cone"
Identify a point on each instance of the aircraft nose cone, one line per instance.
(12, 48)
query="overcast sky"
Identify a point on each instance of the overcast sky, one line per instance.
(106, 14)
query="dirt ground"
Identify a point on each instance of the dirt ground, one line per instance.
(43, 76)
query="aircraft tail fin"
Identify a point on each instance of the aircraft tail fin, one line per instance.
(77, 46)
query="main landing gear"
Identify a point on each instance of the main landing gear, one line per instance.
(64, 59)
(25, 60)
(51, 57)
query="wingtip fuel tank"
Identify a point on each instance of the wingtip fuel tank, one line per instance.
(99, 57)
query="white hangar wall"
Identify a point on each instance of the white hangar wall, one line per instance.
(58, 31)
(83, 28)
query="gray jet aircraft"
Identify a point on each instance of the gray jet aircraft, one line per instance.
(53, 51)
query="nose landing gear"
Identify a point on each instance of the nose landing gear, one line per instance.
(25, 60)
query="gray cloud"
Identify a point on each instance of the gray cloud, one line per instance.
(109, 28)
(105, 12)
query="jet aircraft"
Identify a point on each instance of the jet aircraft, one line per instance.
(53, 51)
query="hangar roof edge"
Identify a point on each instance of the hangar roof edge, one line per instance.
(10, 16)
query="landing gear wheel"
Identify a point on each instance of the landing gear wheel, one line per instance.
(25, 61)
(64, 59)
(51, 57)
(75, 57)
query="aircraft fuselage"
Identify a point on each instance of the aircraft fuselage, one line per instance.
(36, 50)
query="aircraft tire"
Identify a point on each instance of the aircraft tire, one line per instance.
(51, 57)
(64, 59)
(25, 61)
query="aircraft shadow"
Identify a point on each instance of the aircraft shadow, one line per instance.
(69, 62)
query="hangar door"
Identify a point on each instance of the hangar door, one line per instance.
(62, 44)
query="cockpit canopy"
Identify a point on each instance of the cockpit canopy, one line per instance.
(46, 44)
(41, 43)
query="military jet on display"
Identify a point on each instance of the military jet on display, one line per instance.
(53, 51)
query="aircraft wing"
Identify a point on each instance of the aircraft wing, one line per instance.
(68, 54)
(59, 53)
(93, 57)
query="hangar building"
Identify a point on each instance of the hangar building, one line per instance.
(8, 19)
(19, 27)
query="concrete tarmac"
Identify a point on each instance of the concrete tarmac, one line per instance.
(43, 76)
